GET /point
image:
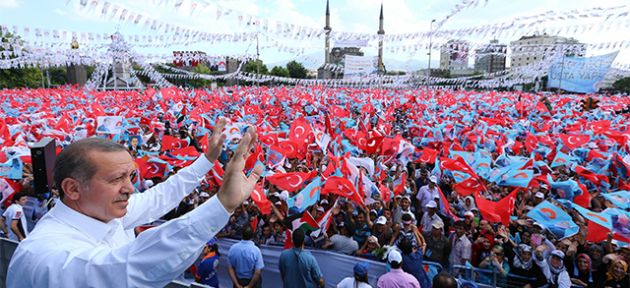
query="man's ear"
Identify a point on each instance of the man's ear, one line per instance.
(70, 188)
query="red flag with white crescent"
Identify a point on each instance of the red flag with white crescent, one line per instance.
(291, 181)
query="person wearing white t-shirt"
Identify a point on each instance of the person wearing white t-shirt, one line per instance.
(360, 279)
(14, 219)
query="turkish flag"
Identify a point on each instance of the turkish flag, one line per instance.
(457, 165)
(172, 143)
(428, 155)
(530, 143)
(342, 187)
(574, 141)
(373, 143)
(357, 138)
(386, 194)
(468, 187)
(203, 142)
(291, 181)
(598, 127)
(149, 169)
(596, 179)
(258, 196)
(301, 132)
(258, 155)
(583, 199)
(487, 209)
(270, 138)
(288, 148)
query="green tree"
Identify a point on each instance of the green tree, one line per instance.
(256, 66)
(279, 71)
(622, 85)
(18, 77)
(296, 70)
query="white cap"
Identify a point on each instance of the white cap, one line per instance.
(431, 204)
(284, 195)
(469, 213)
(394, 256)
(204, 194)
(433, 179)
(539, 195)
(437, 224)
(246, 203)
(321, 209)
(324, 201)
(381, 220)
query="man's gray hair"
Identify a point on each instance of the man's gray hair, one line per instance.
(74, 161)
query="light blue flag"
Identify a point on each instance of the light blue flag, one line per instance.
(565, 189)
(620, 199)
(11, 169)
(601, 219)
(555, 219)
(516, 178)
(307, 197)
(562, 159)
(620, 221)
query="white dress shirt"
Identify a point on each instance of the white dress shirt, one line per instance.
(70, 249)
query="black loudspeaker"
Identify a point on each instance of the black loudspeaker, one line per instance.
(43, 155)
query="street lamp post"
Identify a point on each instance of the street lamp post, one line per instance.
(429, 65)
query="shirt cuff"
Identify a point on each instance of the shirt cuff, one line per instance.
(201, 166)
(210, 217)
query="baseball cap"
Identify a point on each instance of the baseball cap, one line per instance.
(539, 195)
(372, 239)
(406, 197)
(437, 224)
(361, 268)
(433, 179)
(431, 204)
(558, 253)
(204, 194)
(323, 202)
(469, 214)
(524, 248)
(394, 257)
(381, 220)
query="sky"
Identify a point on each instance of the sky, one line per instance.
(355, 16)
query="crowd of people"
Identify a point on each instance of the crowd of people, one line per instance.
(415, 193)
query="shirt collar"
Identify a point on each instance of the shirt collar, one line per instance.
(94, 228)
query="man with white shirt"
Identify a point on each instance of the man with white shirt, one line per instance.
(87, 239)
(427, 193)
(14, 219)
(430, 217)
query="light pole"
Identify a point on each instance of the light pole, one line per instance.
(429, 65)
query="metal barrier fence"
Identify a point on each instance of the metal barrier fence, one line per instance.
(491, 278)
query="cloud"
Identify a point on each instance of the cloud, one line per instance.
(9, 3)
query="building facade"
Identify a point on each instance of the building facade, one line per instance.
(454, 55)
(491, 58)
(531, 49)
